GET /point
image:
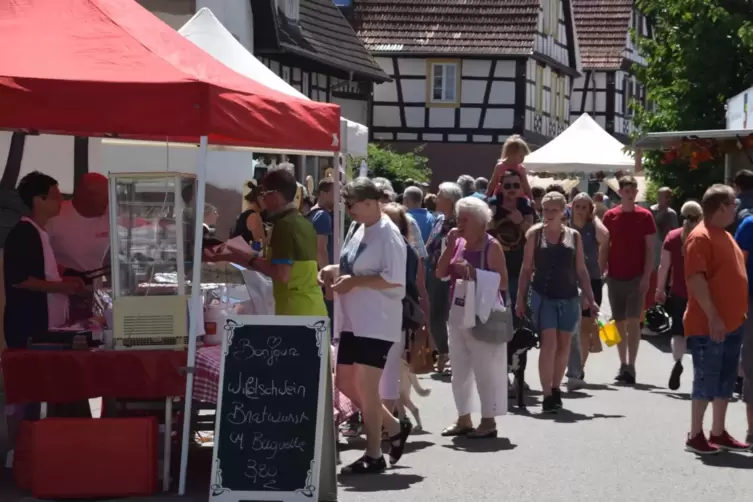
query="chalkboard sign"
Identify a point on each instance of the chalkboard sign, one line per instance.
(270, 409)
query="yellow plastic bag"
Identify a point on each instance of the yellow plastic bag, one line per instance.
(609, 334)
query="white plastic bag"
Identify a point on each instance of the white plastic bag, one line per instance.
(463, 305)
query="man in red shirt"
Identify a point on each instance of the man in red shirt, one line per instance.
(629, 266)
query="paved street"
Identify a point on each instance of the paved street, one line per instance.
(611, 444)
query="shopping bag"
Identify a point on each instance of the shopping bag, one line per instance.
(609, 334)
(419, 354)
(463, 305)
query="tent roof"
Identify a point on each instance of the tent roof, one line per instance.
(583, 147)
(208, 33)
(96, 67)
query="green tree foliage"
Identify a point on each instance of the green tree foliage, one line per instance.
(701, 54)
(397, 167)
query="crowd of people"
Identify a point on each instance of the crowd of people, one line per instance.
(540, 256)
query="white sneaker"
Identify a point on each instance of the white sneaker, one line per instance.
(9, 459)
(575, 384)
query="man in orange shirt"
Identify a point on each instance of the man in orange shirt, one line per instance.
(717, 306)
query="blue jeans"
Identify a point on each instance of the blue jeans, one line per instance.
(715, 365)
(549, 313)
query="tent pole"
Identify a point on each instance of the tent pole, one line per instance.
(201, 181)
(337, 235)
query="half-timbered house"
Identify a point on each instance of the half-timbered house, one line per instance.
(606, 35)
(466, 75)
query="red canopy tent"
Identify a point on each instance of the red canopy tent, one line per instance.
(97, 67)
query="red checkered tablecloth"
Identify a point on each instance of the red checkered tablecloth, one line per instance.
(207, 379)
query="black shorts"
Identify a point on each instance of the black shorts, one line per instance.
(675, 307)
(598, 288)
(354, 349)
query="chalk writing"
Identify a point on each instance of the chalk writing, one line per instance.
(257, 472)
(240, 415)
(271, 447)
(271, 353)
(252, 388)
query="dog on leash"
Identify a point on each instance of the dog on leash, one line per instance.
(523, 340)
(408, 383)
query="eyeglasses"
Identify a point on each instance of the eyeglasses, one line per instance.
(510, 186)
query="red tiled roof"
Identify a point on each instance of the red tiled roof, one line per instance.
(447, 27)
(603, 27)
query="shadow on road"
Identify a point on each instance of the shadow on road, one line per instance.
(442, 377)
(491, 445)
(565, 416)
(390, 481)
(597, 386)
(637, 386)
(413, 446)
(728, 459)
(661, 342)
(680, 396)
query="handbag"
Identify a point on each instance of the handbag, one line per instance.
(420, 355)
(463, 305)
(498, 329)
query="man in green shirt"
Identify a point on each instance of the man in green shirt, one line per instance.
(291, 257)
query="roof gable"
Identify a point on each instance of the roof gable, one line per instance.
(602, 27)
(323, 34)
(447, 27)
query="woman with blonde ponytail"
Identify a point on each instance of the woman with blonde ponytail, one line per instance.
(673, 263)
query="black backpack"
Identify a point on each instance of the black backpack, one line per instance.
(413, 316)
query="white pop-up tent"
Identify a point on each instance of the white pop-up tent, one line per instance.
(584, 147)
(208, 33)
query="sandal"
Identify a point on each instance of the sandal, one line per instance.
(365, 465)
(397, 442)
(476, 434)
(456, 430)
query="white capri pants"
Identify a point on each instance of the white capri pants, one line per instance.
(389, 384)
(484, 363)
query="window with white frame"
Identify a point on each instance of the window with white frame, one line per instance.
(444, 82)
(290, 8)
(563, 99)
(554, 13)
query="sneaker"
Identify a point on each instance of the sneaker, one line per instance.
(574, 384)
(353, 427)
(621, 375)
(557, 396)
(365, 465)
(674, 377)
(727, 443)
(699, 445)
(630, 374)
(549, 405)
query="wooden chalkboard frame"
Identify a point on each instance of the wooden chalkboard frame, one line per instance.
(310, 490)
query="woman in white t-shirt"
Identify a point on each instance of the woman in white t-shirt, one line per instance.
(370, 284)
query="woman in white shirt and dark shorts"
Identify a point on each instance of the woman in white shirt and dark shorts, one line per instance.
(370, 283)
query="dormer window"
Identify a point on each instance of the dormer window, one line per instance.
(290, 8)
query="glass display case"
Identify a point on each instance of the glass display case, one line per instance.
(152, 221)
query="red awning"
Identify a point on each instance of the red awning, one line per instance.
(97, 67)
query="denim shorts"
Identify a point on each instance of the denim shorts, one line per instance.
(715, 365)
(547, 313)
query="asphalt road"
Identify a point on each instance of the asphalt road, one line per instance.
(609, 444)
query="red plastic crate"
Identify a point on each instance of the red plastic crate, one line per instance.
(94, 458)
